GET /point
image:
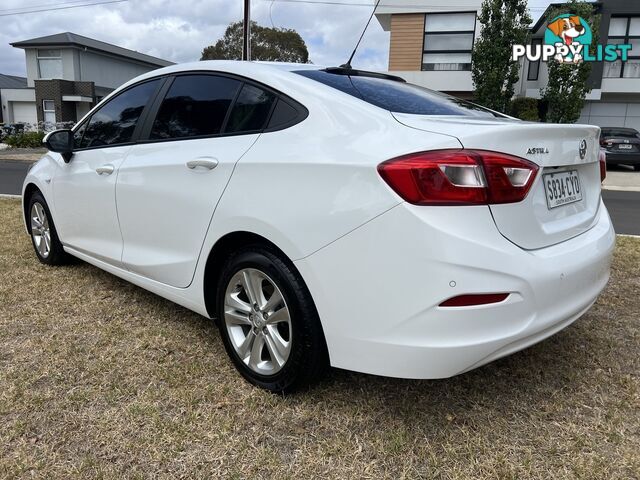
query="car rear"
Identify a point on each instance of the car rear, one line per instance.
(494, 246)
(621, 146)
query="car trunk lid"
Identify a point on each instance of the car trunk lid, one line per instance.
(568, 159)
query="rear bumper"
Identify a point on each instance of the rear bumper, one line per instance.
(378, 289)
(623, 158)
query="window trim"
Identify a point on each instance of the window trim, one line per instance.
(145, 122)
(303, 112)
(448, 32)
(107, 100)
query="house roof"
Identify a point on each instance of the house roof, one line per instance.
(73, 39)
(11, 81)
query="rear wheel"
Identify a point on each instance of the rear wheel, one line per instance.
(268, 321)
(44, 236)
(636, 168)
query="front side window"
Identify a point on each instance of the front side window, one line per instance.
(624, 30)
(448, 41)
(49, 64)
(195, 106)
(116, 120)
(397, 96)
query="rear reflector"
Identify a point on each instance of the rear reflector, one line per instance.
(472, 300)
(459, 177)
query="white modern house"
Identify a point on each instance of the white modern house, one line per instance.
(431, 43)
(66, 75)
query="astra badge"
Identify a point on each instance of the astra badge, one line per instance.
(538, 151)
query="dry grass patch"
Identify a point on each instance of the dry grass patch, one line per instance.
(100, 379)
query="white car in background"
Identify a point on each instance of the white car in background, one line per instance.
(330, 216)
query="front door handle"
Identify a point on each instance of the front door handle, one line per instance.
(105, 169)
(208, 163)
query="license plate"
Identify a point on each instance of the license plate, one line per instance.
(562, 188)
(625, 147)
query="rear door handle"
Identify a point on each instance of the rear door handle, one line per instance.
(208, 163)
(105, 169)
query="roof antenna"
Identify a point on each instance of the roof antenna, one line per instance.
(348, 64)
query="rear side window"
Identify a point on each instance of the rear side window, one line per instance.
(251, 110)
(116, 120)
(195, 105)
(398, 96)
(283, 114)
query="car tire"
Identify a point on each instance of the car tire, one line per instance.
(636, 168)
(271, 330)
(44, 235)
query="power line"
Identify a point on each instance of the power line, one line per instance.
(47, 5)
(62, 8)
(354, 4)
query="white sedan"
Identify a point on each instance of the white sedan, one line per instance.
(330, 216)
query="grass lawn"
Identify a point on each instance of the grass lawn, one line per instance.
(100, 379)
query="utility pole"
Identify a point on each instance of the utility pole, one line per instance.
(246, 30)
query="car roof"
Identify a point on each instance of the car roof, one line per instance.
(619, 129)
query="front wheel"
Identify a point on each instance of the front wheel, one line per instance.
(268, 321)
(636, 168)
(44, 236)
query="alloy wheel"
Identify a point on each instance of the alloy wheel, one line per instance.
(40, 230)
(258, 322)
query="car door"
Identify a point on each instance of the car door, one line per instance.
(171, 181)
(84, 189)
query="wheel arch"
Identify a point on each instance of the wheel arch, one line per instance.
(29, 190)
(220, 251)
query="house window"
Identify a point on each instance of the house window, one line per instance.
(49, 64)
(49, 109)
(448, 41)
(624, 30)
(534, 67)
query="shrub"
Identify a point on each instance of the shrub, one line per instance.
(25, 140)
(525, 109)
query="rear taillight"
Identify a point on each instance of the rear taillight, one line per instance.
(603, 165)
(459, 177)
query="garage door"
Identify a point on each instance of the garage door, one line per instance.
(24, 112)
(609, 114)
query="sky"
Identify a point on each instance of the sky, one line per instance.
(178, 30)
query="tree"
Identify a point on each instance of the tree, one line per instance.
(567, 88)
(504, 23)
(267, 44)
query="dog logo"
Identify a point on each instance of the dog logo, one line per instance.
(570, 34)
(583, 149)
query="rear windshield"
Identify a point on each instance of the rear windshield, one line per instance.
(619, 132)
(398, 96)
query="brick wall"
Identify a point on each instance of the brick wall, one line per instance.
(54, 90)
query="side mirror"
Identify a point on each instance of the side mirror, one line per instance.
(60, 141)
